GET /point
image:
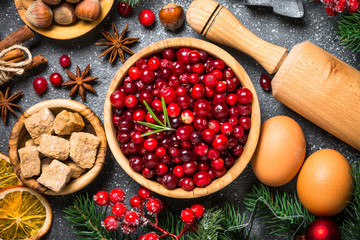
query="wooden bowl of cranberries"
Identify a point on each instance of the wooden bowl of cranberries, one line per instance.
(182, 118)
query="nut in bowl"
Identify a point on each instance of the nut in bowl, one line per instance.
(57, 147)
(175, 121)
(63, 19)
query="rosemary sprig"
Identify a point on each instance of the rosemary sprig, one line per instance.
(165, 126)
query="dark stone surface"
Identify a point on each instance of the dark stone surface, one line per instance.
(316, 26)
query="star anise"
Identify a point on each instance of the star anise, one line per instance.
(80, 82)
(117, 44)
(6, 104)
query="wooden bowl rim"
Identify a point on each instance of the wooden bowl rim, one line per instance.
(60, 32)
(253, 138)
(75, 184)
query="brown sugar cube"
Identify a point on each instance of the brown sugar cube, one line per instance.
(29, 161)
(55, 176)
(45, 163)
(76, 171)
(30, 143)
(67, 122)
(83, 149)
(40, 123)
(54, 147)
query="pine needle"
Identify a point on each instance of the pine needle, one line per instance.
(210, 225)
(86, 218)
(132, 2)
(351, 225)
(349, 30)
(283, 205)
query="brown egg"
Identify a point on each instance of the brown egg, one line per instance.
(324, 183)
(280, 152)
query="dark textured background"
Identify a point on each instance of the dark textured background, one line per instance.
(316, 26)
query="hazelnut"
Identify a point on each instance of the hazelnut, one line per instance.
(88, 10)
(172, 16)
(39, 14)
(73, 1)
(51, 2)
(64, 14)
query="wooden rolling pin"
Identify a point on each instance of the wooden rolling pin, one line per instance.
(310, 81)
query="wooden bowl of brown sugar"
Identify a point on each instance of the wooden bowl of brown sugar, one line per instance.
(91, 128)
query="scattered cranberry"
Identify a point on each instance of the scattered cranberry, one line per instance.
(147, 17)
(40, 85)
(265, 82)
(56, 79)
(101, 198)
(64, 61)
(124, 9)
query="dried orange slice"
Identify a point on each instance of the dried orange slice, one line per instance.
(7, 174)
(24, 214)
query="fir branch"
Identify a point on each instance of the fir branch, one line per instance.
(283, 205)
(349, 31)
(351, 225)
(170, 223)
(210, 225)
(87, 219)
(133, 2)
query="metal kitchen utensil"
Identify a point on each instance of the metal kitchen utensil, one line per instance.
(289, 8)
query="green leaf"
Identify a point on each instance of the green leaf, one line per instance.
(153, 114)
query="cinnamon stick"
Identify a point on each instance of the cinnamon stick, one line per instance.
(16, 53)
(19, 36)
(36, 61)
(16, 60)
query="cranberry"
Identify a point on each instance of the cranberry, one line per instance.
(210, 80)
(136, 163)
(189, 168)
(131, 101)
(64, 61)
(214, 125)
(244, 95)
(194, 78)
(169, 181)
(178, 171)
(187, 117)
(221, 87)
(154, 63)
(244, 110)
(232, 142)
(101, 198)
(203, 56)
(198, 210)
(123, 137)
(198, 91)
(200, 123)
(212, 154)
(208, 135)
(181, 90)
(218, 74)
(168, 53)
(147, 75)
(185, 154)
(194, 56)
(220, 110)
(229, 161)
(174, 152)
(160, 152)
(226, 128)
(245, 122)
(150, 160)
(195, 137)
(178, 67)
(156, 105)
(139, 115)
(169, 95)
(203, 166)
(40, 85)
(141, 64)
(202, 107)
(175, 122)
(220, 142)
(144, 193)
(265, 82)
(201, 149)
(187, 184)
(124, 9)
(234, 112)
(217, 164)
(220, 172)
(150, 144)
(237, 150)
(56, 79)
(145, 96)
(161, 169)
(183, 101)
(146, 17)
(228, 73)
(201, 179)
(183, 133)
(183, 55)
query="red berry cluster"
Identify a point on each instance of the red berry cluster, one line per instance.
(129, 219)
(209, 113)
(333, 7)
